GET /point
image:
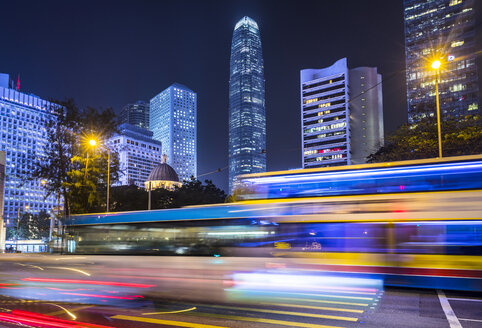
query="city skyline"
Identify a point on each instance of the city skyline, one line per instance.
(189, 54)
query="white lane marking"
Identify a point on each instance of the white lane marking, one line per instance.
(449, 313)
(471, 320)
(464, 299)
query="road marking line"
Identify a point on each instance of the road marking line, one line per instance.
(71, 269)
(304, 294)
(262, 320)
(299, 314)
(475, 320)
(449, 313)
(314, 307)
(464, 299)
(164, 322)
(169, 312)
(321, 301)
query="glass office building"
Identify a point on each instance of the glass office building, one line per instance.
(23, 120)
(247, 114)
(136, 114)
(138, 153)
(442, 29)
(172, 119)
(341, 114)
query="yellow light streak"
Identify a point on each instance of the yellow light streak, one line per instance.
(169, 312)
(66, 311)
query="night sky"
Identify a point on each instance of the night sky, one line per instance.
(110, 53)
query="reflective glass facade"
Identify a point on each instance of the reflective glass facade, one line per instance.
(23, 119)
(441, 29)
(247, 115)
(172, 119)
(136, 114)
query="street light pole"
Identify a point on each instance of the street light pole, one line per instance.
(18, 221)
(108, 177)
(436, 65)
(93, 143)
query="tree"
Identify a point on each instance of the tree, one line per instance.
(34, 226)
(70, 169)
(460, 136)
(193, 192)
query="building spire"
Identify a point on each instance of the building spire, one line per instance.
(164, 158)
(18, 83)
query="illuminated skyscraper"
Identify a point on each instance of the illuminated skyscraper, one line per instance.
(247, 115)
(172, 119)
(23, 122)
(441, 29)
(136, 114)
(341, 114)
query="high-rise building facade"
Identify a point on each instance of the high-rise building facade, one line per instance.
(445, 30)
(136, 114)
(247, 114)
(172, 119)
(23, 121)
(341, 114)
(138, 153)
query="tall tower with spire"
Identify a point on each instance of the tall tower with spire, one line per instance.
(247, 114)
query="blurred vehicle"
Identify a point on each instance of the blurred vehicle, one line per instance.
(427, 233)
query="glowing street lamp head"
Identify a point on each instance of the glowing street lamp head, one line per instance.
(92, 142)
(436, 64)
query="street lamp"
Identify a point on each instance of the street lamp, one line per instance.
(436, 64)
(93, 143)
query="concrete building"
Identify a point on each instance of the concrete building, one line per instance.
(172, 119)
(341, 114)
(444, 30)
(138, 153)
(247, 113)
(23, 121)
(136, 114)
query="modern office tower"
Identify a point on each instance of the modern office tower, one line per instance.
(3, 230)
(247, 114)
(172, 119)
(23, 119)
(441, 29)
(341, 114)
(136, 114)
(138, 153)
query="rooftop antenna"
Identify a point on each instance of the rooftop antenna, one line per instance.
(18, 83)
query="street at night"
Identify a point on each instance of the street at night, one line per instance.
(119, 292)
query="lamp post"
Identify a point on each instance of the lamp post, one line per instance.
(93, 143)
(436, 66)
(18, 221)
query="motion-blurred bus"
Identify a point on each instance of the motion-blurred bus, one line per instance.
(415, 223)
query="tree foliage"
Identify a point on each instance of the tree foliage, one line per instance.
(30, 226)
(460, 136)
(73, 171)
(193, 192)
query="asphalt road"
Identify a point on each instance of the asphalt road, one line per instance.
(90, 291)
